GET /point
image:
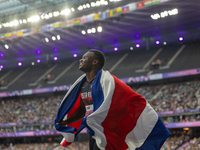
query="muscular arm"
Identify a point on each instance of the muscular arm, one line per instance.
(77, 115)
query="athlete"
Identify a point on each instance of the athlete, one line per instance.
(116, 116)
(90, 64)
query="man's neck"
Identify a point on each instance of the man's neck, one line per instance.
(91, 75)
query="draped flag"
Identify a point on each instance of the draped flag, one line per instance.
(122, 119)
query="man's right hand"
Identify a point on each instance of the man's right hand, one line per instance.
(62, 123)
(77, 115)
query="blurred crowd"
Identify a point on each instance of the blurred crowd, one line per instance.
(172, 97)
(173, 142)
(181, 118)
(29, 109)
(75, 146)
(46, 146)
(193, 144)
(30, 146)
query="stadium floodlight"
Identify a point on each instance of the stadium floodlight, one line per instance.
(137, 45)
(155, 16)
(173, 12)
(164, 14)
(72, 9)
(1, 66)
(93, 30)
(4, 24)
(53, 38)
(24, 21)
(157, 42)
(58, 37)
(180, 38)
(35, 18)
(47, 40)
(20, 21)
(115, 49)
(38, 61)
(65, 12)
(84, 6)
(88, 5)
(11, 24)
(165, 43)
(55, 58)
(19, 64)
(6, 46)
(56, 13)
(32, 63)
(46, 16)
(131, 48)
(80, 7)
(50, 15)
(7, 24)
(29, 20)
(93, 4)
(99, 29)
(83, 32)
(89, 31)
(42, 16)
(75, 55)
(15, 22)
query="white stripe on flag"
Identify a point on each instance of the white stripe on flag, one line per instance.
(69, 137)
(143, 128)
(95, 119)
(72, 87)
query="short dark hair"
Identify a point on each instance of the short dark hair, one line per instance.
(99, 56)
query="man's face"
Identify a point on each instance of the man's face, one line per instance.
(86, 62)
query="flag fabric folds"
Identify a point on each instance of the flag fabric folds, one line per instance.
(122, 119)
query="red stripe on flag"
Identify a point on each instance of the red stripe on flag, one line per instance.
(65, 143)
(125, 109)
(76, 124)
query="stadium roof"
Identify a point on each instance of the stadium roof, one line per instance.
(122, 31)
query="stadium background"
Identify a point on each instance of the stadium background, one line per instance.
(152, 45)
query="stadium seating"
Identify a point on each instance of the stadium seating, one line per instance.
(129, 64)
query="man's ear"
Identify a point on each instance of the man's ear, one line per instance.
(95, 62)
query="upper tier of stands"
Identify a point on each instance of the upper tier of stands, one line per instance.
(122, 64)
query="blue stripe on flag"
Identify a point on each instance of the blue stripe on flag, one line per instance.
(97, 92)
(65, 108)
(156, 138)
